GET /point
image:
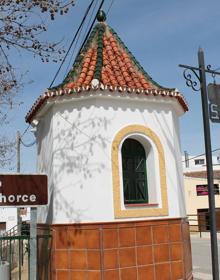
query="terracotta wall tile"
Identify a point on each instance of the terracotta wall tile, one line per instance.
(127, 257)
(110, 238)
(126, 225)
(157, 222)
(93, 275)
(160, 234)
(163, 269)
(61, 259)
(76, 239)
(176, 251)
(92, 239)
(112, 274)
(185, 231)
(111, 259)
(53, 241)
(143, 235)
(94, 259)
(61, 239)
(146, 272)
(161, 253)
(144, 255)
(110, 226)
(128, 274)
(187, 258)
(78, 259)
(175, 232)
(177, 270)
(63, 275)
(126, 237)
(78, 275)
(153, 250)
(52, 259)
(176, 221)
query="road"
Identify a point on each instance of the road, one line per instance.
(201, 255)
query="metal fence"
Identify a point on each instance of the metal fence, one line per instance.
(15, 249)
(200, 223)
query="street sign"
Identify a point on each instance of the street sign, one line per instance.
(214, 105)
(23, 190)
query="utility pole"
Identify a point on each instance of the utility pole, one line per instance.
(18, 151)
(201, 77)
(33, 223)
(19, 221)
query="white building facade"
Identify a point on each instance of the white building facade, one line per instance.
(108, 138)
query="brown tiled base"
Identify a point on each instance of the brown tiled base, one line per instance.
(141, 250)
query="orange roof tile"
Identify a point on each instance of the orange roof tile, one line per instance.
(105, 58)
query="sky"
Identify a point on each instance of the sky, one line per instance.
(160, 34)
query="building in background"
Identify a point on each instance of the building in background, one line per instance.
(8, 218)
(196, 195)
(193, 163)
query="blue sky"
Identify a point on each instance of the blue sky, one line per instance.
(160, 34)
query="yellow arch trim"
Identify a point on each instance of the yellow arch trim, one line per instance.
(143, 211)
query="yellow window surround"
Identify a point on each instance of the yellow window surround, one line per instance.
(137, 211)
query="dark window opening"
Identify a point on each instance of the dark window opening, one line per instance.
(199, 161)
(134, 172)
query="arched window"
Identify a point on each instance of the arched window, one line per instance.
(134, 172)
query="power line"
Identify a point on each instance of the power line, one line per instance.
(73, 40)
(78, 37)
(201, 155)
(100, 6)
(25, 131)
(110, 6)
(87, 28)
(28, 145)
(72, 53)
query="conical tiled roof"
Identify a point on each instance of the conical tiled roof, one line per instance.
(105, 63)
(106, 59)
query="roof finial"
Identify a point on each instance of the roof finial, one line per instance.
(101, 16)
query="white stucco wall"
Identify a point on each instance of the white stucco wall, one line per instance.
(9, 216)
(195, 202)
(74, 148)
(44, 142)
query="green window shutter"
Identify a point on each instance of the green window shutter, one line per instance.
(134, 172)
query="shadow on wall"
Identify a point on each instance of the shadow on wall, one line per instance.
(79, 134)
(172, 136)
(75, 142)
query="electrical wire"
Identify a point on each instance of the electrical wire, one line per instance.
(200, 155)
(87, 28)
(25, 131)
(110, 6)
(77, 40)
(72, 42)
(28, 145)
(78, 37)
(100, 6)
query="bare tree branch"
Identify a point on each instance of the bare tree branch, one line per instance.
(21, 24)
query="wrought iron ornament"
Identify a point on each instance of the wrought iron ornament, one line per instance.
(193, 79)
(190, 80)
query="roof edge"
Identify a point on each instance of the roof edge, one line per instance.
(66, 92)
